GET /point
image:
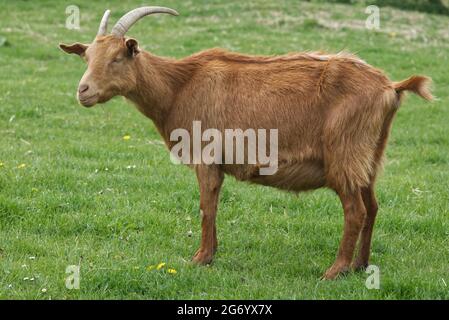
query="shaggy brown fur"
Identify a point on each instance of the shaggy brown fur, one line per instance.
(333, 113)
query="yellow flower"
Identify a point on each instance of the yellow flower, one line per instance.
(156, 267)
(160, 266)
(34, 189)
(2, 164)
(21, 166)
(127, 137)
(172, 271)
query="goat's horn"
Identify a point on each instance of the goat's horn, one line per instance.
(125, 22)
(104, 24)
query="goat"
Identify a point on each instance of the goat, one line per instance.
(333, 113)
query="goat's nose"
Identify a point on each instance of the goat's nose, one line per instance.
(83, 88)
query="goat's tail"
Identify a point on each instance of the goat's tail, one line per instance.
(419, 85)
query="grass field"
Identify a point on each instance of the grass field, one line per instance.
(73, 191)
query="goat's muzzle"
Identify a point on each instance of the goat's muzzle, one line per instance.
(87, 96)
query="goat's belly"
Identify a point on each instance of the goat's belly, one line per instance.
(296, 176)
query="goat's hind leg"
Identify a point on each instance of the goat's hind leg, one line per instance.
(354, 215)
(369, 199)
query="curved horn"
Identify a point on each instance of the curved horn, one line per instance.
(104, 24)
(125, 22)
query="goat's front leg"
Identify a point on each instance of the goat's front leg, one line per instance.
(354, 214)
(210, 179)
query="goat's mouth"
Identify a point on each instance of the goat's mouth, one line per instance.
(88, 101)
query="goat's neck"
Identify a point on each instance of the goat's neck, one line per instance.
(159, 80)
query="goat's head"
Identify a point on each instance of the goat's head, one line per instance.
(111, 59)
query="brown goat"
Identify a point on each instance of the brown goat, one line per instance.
(333, 114)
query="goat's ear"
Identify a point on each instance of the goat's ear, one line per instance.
(133, 47)
(77, 48)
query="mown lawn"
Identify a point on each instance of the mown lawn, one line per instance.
(74, 192)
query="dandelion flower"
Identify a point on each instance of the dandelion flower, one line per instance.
(172, 271)
(2, 164)
(21, 166)
(160, 266)
(150, 268)
(126, 137)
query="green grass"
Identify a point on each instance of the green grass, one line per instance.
(76, 202)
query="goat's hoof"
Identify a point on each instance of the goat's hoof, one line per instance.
(334, 271)
(359, 266)
(202, 257)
